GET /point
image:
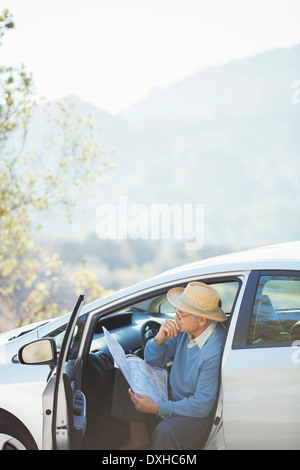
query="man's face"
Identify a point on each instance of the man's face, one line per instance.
(188, 323)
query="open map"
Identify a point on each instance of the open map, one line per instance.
(142, 377)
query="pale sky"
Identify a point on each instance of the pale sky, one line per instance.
(112, 53)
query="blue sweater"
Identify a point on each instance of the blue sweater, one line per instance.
(194, 373)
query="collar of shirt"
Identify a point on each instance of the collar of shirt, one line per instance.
(201, 339)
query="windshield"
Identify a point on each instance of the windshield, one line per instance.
(58, 336)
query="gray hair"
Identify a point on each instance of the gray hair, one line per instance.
(209, 321)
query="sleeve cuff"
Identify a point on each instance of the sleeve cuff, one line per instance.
(165, 409)
(154, 345)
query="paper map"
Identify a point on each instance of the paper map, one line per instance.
(142, 377)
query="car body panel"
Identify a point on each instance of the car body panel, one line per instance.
(21, 392)
(261, 406)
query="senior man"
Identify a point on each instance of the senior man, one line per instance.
(193, 341)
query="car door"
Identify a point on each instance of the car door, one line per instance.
(64, 407)
(261, 372)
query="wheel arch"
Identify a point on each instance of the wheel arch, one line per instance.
(22, 428)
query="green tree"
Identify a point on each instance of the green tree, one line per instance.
(57, 172)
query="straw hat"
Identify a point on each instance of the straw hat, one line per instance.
(197, 298)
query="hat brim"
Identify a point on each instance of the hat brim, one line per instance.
(174, 297)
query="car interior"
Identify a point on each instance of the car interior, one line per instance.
(132, 327)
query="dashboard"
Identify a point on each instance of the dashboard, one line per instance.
(126, 328)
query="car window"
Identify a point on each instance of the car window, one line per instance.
(167, 307)
(276, 311)
(227, 291)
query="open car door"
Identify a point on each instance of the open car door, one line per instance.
(64, 405)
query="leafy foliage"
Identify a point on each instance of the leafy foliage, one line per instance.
(58, 174)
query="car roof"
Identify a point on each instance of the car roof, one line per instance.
(278, 256)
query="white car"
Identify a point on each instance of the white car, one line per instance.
(64, 403)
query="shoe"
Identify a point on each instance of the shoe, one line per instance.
(129, 445)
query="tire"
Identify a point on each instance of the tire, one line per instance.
(13, 434)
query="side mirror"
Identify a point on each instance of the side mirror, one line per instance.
(42, 351)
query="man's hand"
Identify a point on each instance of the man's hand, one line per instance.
(143, 403)
(168, 329)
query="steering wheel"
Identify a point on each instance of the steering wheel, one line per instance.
(148, 330)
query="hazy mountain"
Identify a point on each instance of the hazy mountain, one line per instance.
(226, 137)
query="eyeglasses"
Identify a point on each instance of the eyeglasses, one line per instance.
(181, 315)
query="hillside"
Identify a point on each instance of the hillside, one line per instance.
(226, 137)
